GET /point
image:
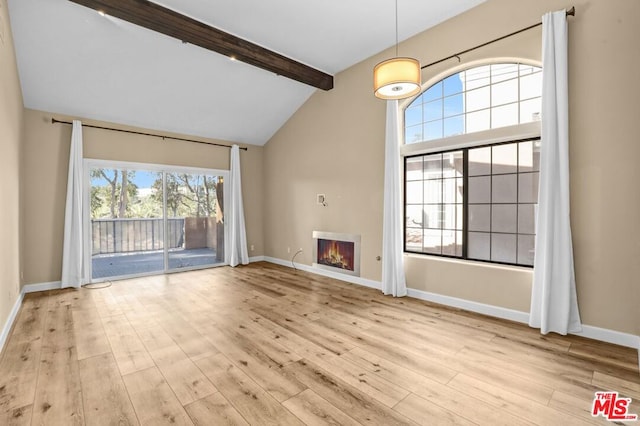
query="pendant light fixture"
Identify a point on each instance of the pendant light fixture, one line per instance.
(396, 78)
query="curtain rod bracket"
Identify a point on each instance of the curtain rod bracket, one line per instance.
(54, 121)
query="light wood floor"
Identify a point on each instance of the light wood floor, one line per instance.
(264, 344)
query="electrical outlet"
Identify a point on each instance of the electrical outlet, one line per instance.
(289, 250)
(253, 247)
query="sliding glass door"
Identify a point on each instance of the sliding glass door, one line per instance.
(193, 206)
(148, 219)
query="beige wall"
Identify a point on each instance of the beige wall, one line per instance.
(11, 119)
(44, 177)
(334, 145)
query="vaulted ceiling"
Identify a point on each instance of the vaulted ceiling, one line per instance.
(74, 61)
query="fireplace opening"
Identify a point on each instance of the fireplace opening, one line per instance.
(337, 254)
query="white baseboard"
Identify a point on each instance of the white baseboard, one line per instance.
(611, 336)
(32, 288)
(9, 323)
(588, 331)
(468, 305)
(256, 259)
(343, 277)
(29, 288)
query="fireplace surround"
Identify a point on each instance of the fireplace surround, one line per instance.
(336, 252)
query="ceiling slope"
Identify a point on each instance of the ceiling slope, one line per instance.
(73, 61)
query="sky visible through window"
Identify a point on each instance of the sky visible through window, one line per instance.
(476, 99)
(141, 179)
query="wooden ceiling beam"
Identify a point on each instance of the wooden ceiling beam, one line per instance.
(166, 21)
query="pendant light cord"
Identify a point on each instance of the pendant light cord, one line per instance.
(396, 28)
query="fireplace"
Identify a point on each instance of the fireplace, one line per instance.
(337, 252)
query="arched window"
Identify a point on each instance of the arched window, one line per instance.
(476, 99)
(467, 197)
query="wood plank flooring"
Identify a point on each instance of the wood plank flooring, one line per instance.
(267, 345)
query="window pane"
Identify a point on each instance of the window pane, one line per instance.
(432, 216)
(480, 161)
(433, 166)
(503, 248)
(433, 191)
(478, 121)
(528, 188)
(501, 72)
(414, 216)
(432, 241)
(480, 217)
(413, 168)
(450, 216)
(504, 93)
(413, 134)
(434, 92)
(433, 110)
(449, 191)
(478, 246)
(452, 164)
(526, 250)
(526, 219)
(454, 126)
(433, 130)
(460, 191)
(459, 243)
(478, 99)
(502, 116)
(504, 189)
(453, 105)
(479, 190)
(505, 159)
(531, 86)
(530, 110)
(449, 242)
(414, 192)
(413, 239)
(477, 77)
(452, 85)
(528, 69)
(413, 116)
(504, 218)
(529, 153)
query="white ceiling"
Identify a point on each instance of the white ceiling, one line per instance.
(73, 61)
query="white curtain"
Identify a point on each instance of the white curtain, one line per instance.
(236, 252)
(393, 280)
(72, 251)
(554, 305)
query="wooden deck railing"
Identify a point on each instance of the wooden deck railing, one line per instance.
(135, 235)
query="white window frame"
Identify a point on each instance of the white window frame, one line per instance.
(468, 140)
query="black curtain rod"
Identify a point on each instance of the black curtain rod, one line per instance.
(53, 121)
(570, 12)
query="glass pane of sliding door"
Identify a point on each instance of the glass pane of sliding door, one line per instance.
(195, 226)
(126, 222)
